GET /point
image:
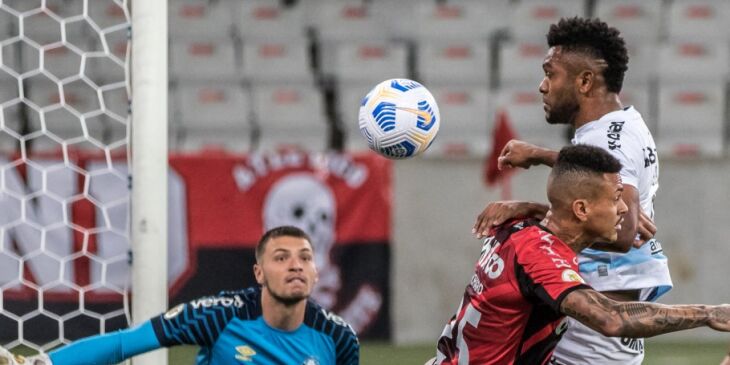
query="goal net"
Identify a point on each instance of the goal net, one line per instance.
(64, 174)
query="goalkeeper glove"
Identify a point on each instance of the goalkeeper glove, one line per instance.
(7, 358)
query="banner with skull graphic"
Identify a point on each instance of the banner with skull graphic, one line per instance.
(219, 205)
(341, 200)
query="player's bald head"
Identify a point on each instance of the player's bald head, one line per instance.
(579, 173)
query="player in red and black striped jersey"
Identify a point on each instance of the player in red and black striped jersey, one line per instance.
(511, 308)
(526, 279)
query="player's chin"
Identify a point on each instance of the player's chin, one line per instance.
(296, 294)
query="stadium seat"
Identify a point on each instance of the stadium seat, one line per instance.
(531, 19)
(693, 61)
(200, 19)
(261, 20)
(520, 63)
(290, 115)
(277, 61)
(108, 15)
(213, 106)
(370, 62)
(62, 62)
(525, 111)
(211, 59)
(347, 20)
(43, 29)
(642, 62)
(698, 19)
(339, 22)
(638, 21)
(460, 20)
(639, 96)
(466, 121)
(691, 119)
(349, 96)
(452, 62)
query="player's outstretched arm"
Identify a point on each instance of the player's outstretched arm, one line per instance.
(522, 154)
(104, 349)
(640, 319)
(499, 212)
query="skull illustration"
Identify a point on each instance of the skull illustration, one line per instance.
(303, 201)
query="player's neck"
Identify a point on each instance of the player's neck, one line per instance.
(280, 315)
(571, 234)
(596, 107)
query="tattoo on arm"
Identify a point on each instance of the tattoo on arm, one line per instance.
(631, 319)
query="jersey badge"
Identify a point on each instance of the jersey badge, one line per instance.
(570, 275)
(174, 311)
(245, 353)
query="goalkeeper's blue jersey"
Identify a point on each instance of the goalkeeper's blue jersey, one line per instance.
(230, 329)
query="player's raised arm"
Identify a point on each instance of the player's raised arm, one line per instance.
(522, 154)
(640, 319)
(499, 212)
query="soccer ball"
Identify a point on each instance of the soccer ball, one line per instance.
(399, 118)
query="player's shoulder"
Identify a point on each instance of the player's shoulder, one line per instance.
(241, 303)
(322, 320)
(538, 240)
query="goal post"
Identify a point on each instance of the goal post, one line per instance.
(149, 165)
(83, 177)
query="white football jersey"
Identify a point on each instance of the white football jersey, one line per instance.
(624, 134)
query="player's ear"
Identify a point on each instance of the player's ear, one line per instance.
(584, 81)
(258, 272)
(580, 209)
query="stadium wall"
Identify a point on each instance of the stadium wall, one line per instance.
(436, 203)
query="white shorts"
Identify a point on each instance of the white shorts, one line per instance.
(581, 345)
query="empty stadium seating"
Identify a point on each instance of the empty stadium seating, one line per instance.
(274, 62)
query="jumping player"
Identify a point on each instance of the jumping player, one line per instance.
(526, 280)
(584, 71)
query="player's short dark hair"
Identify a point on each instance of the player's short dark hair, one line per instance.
(289, 231)
(595, 38)
(582, 158)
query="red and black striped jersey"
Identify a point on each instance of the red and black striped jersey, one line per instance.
(510, 312)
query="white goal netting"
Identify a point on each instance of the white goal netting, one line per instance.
(64, 181)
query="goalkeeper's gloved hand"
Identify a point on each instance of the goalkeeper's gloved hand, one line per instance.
(7, 358)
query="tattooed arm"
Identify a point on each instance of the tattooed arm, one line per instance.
(640, 319)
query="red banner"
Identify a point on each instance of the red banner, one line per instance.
(228, 195)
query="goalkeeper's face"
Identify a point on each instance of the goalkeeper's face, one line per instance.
(287, 269)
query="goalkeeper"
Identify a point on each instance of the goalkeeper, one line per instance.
(273, 324)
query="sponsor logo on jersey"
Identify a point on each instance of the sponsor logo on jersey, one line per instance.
(174, 311)
(569, 275)
(337, 319)
(555, 257)
(310, 361)
(614, 135)
(236, 301)
(635, 344)
(245, 353)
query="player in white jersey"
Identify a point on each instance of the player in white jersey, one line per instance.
(584, 70)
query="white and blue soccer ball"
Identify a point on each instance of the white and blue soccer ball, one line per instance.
(399, 118)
